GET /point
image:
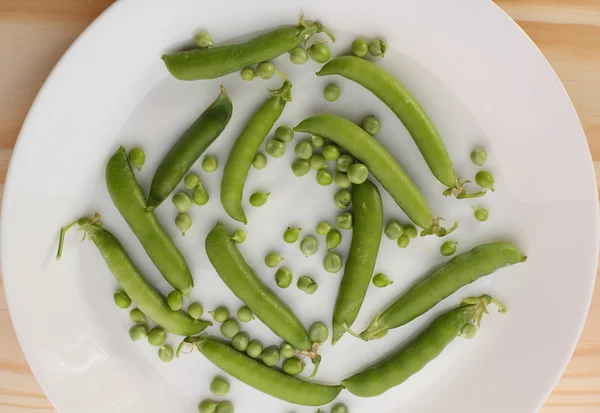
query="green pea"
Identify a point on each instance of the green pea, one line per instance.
(240, 341)
(137, 158)
(334, 238)
(319, 52)
(344, 220)
(293, 366)
(410, 231)
(270, 356)
(309, 246)
(300, 167)
(273, 259)
(182, 202)
(287, 350)
(307, 284)
(318, 332)
(331, 152)
(377, 47)
(298, 56)
(340, 408)
(260, 161)
(239, 236)
(183, 222)
(210, 163)
(157, 336)
(195, 310)
(166, 353)
(478, 156)
(230, 328)
(332, 262)
(283, 277)
(258, 199)
(200, 195)
(207, 406)
(275, 148)
(219, 386)
(371, 125)
(448, 248)
(403, 240)
(121, 299)
(317, 140)
(175, 300)
(342, 164)
(324, 177)
(342, 198)
(248, 74)
(304, 150)
(245, 314)
(284, 133)
(323, 228)
(360, 47)
(224, 407)
(291, 234)
(138, 332)
(481, 214)
(254, 349)
(485, 180)
(203, 40)
(220, 314)
(468, 331)
(331, 92)
(192, 181)
(137, 316)
(381, 280)
(358, 173)
(317, 162)
(265, 70)
(393, 230)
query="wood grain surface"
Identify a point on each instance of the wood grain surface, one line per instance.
(35, 33)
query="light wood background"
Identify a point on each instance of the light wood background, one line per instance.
(35, 33)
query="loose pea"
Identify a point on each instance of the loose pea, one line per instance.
(207, 406)
(291, 234)
(136, 315)
(478, 156)
(293, 366)
(175, 300)
(258, 199)
(360, 47)
(210, 163)
(410, 231)
(298, 56)
(331, 93)
(403, 240)
(307, 284)
(195, 310)
(166, 353)
(224, 407)
(183, 222)
(219, 386)
(323, 228)
(260, 161)
(341, 180)
(342, 198)
(481, 214)
(254, 349)
(324, 177)
(220, 314)
(192, 181)
(377, 47)
(284, 133)
(239, 236)
(318, 332)
(182, 202)
(304, 150)
(270, 356)
(265, 70)
(344, 220)
(334, 238)
(245, 314)
(319, 52)
(343, 163)
(300, 167)
(287, 350)
(283, 277)
(137, 158)
(468, 331)
(309, 246)
(485, 180)
(275, 148)
(393, 230)
(358, 173)
(448, 248)
(121, 299)
(381, 280)
(230, 328)
(317, 162)
(138, 332)
(203, 40)
(340, 408)
(248, 74)
(200, 195)
(331, 152)
(272, 259)
(157, 336)
(240, 341)
(332, 262)
(317, 140)
(371, 125)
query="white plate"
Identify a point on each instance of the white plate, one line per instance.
(480, 79)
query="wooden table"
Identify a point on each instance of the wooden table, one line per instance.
(35, 33)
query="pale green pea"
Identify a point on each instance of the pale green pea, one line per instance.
(343, 163)
(207, 406)
(265, 70)
(182, 202)
(300, 167)
(304, 150)
(317, 162)
(377, 47)
(230, 328)
(309, 246)
(200, 195)
(283, 277)
(284, 133)
(323, 228)
(239, 236)
(478, 156)
(275, 148)
(138, 332)
(358, 173)
(334, 238)
(137, 158)
(324, 177)
(210, 163)
(183, 222)
(331, 152)
(270, 356)
(342, 198)
(175, 300)
(468, 331)
(220, 314)
(481, 214)
(381, 280)
(157, 336)
(403, 240)
(319, 52)
(340, 408)
(136, 315)
(344, 220)
(341, 180)
(195, 310)
(331, 93)
(393, 230)
(240, 341)
(332, 262)
(258, 199)
(307, 284)
(192, 181)
(485, 180)
(166, 354)
(317, 141)
(371, 125)
(293, 366)
(248, 74)
(318, 332)
(360, 47)
(410, 231)
(448, 248)
(287, 350)
(291, 234)
(219, 386)
(260, 161)
(121, 299)
(273, 259)
(224, 407)
(298, 56)
(245, 314)
(254, 349)
(203, 40)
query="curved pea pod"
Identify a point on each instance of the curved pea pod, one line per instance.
(127, 195)
(367, 213)
(245, 148)
(190, 146)
(265, 379)
(229, 263)
(145, 297)
(441, 283)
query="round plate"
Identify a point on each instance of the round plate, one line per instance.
(477, 75)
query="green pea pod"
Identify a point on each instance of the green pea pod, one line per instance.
(128, 197)
(190, 146)
(245, 148)
(224, 255)
(367, 213)
(441, 283)
(265, 379)
(145, 297)
(414, 356)
(213, 62)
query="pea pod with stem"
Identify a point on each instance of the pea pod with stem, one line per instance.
(148, 300)
(245, 148)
